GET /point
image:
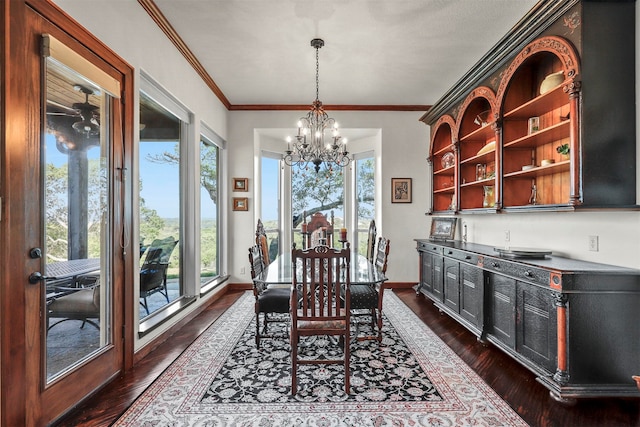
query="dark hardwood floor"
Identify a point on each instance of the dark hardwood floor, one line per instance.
(511, 381)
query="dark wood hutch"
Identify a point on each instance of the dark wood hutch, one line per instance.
(546, 121)
(497, 132)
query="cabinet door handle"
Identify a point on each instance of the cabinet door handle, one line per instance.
(467, 257)
(449, 253)
(528, 273)
(495, 265)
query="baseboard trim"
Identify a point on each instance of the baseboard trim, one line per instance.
(399, 285)
(240, 286)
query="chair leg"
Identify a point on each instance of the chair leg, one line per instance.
(294, 363)
(347, 355)
(257, 329)
(144, 304)
(166, 291)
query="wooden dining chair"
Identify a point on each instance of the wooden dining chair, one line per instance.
(318, 228)
(371, 241)
(366, 299)
(268, 300)
(262, 241)
(317, 305)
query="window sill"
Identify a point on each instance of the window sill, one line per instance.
(161, 316)
(209, 286)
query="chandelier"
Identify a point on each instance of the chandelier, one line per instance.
(310, 145)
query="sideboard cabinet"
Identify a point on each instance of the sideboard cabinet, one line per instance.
(552, 127)
(574, 324)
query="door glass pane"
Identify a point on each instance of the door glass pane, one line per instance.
(209, 242)
(313, 192)
(160, 201)
(75, 159)
(270, 200)
(365, 201)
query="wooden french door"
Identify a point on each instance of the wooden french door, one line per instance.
(64, 192)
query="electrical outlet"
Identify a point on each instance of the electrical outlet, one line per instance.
(593, 243)
(507, 235)
(243, 271)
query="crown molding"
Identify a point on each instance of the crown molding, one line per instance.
(301, 107)
(154, 12)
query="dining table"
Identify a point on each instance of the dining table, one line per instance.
(280, 271)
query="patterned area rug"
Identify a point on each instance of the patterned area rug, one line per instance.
(412, 378)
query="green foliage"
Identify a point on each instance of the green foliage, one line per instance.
(365, 189)
(57, 209)
(314, 192)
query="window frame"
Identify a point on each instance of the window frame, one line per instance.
(188, 154)
(212, 137)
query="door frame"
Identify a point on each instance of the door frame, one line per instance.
(22, 386)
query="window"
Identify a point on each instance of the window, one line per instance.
(209, 205)
(288, 193)
(313, 192)
(270, 197)
(163, 132)
(365, 208)
(77, 223)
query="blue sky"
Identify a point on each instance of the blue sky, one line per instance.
(270, 168)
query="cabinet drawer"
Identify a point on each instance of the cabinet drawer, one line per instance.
(429, 247)
(463, 256)
(518, 271)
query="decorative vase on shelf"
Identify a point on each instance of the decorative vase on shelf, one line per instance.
(488, 200)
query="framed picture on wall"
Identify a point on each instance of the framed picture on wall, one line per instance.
(400, 190)
(240, 204)
(240, 184)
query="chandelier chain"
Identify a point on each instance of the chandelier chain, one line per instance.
(317, 74)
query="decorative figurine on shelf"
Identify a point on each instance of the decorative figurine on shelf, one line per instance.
(533, 199)
(564, 150)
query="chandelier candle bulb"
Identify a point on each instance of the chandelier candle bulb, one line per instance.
(303, 227)
(343, 234)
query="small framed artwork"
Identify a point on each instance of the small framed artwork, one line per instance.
(400, 190)
(443, 228)
(240, 184)
(240, 204)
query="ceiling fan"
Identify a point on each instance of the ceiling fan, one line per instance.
(89, 124)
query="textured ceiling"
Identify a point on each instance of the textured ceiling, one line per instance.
(377, 52)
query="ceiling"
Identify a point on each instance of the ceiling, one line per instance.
(376, 53)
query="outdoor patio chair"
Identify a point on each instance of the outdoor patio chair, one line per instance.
(81, 303)
(153, 271)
